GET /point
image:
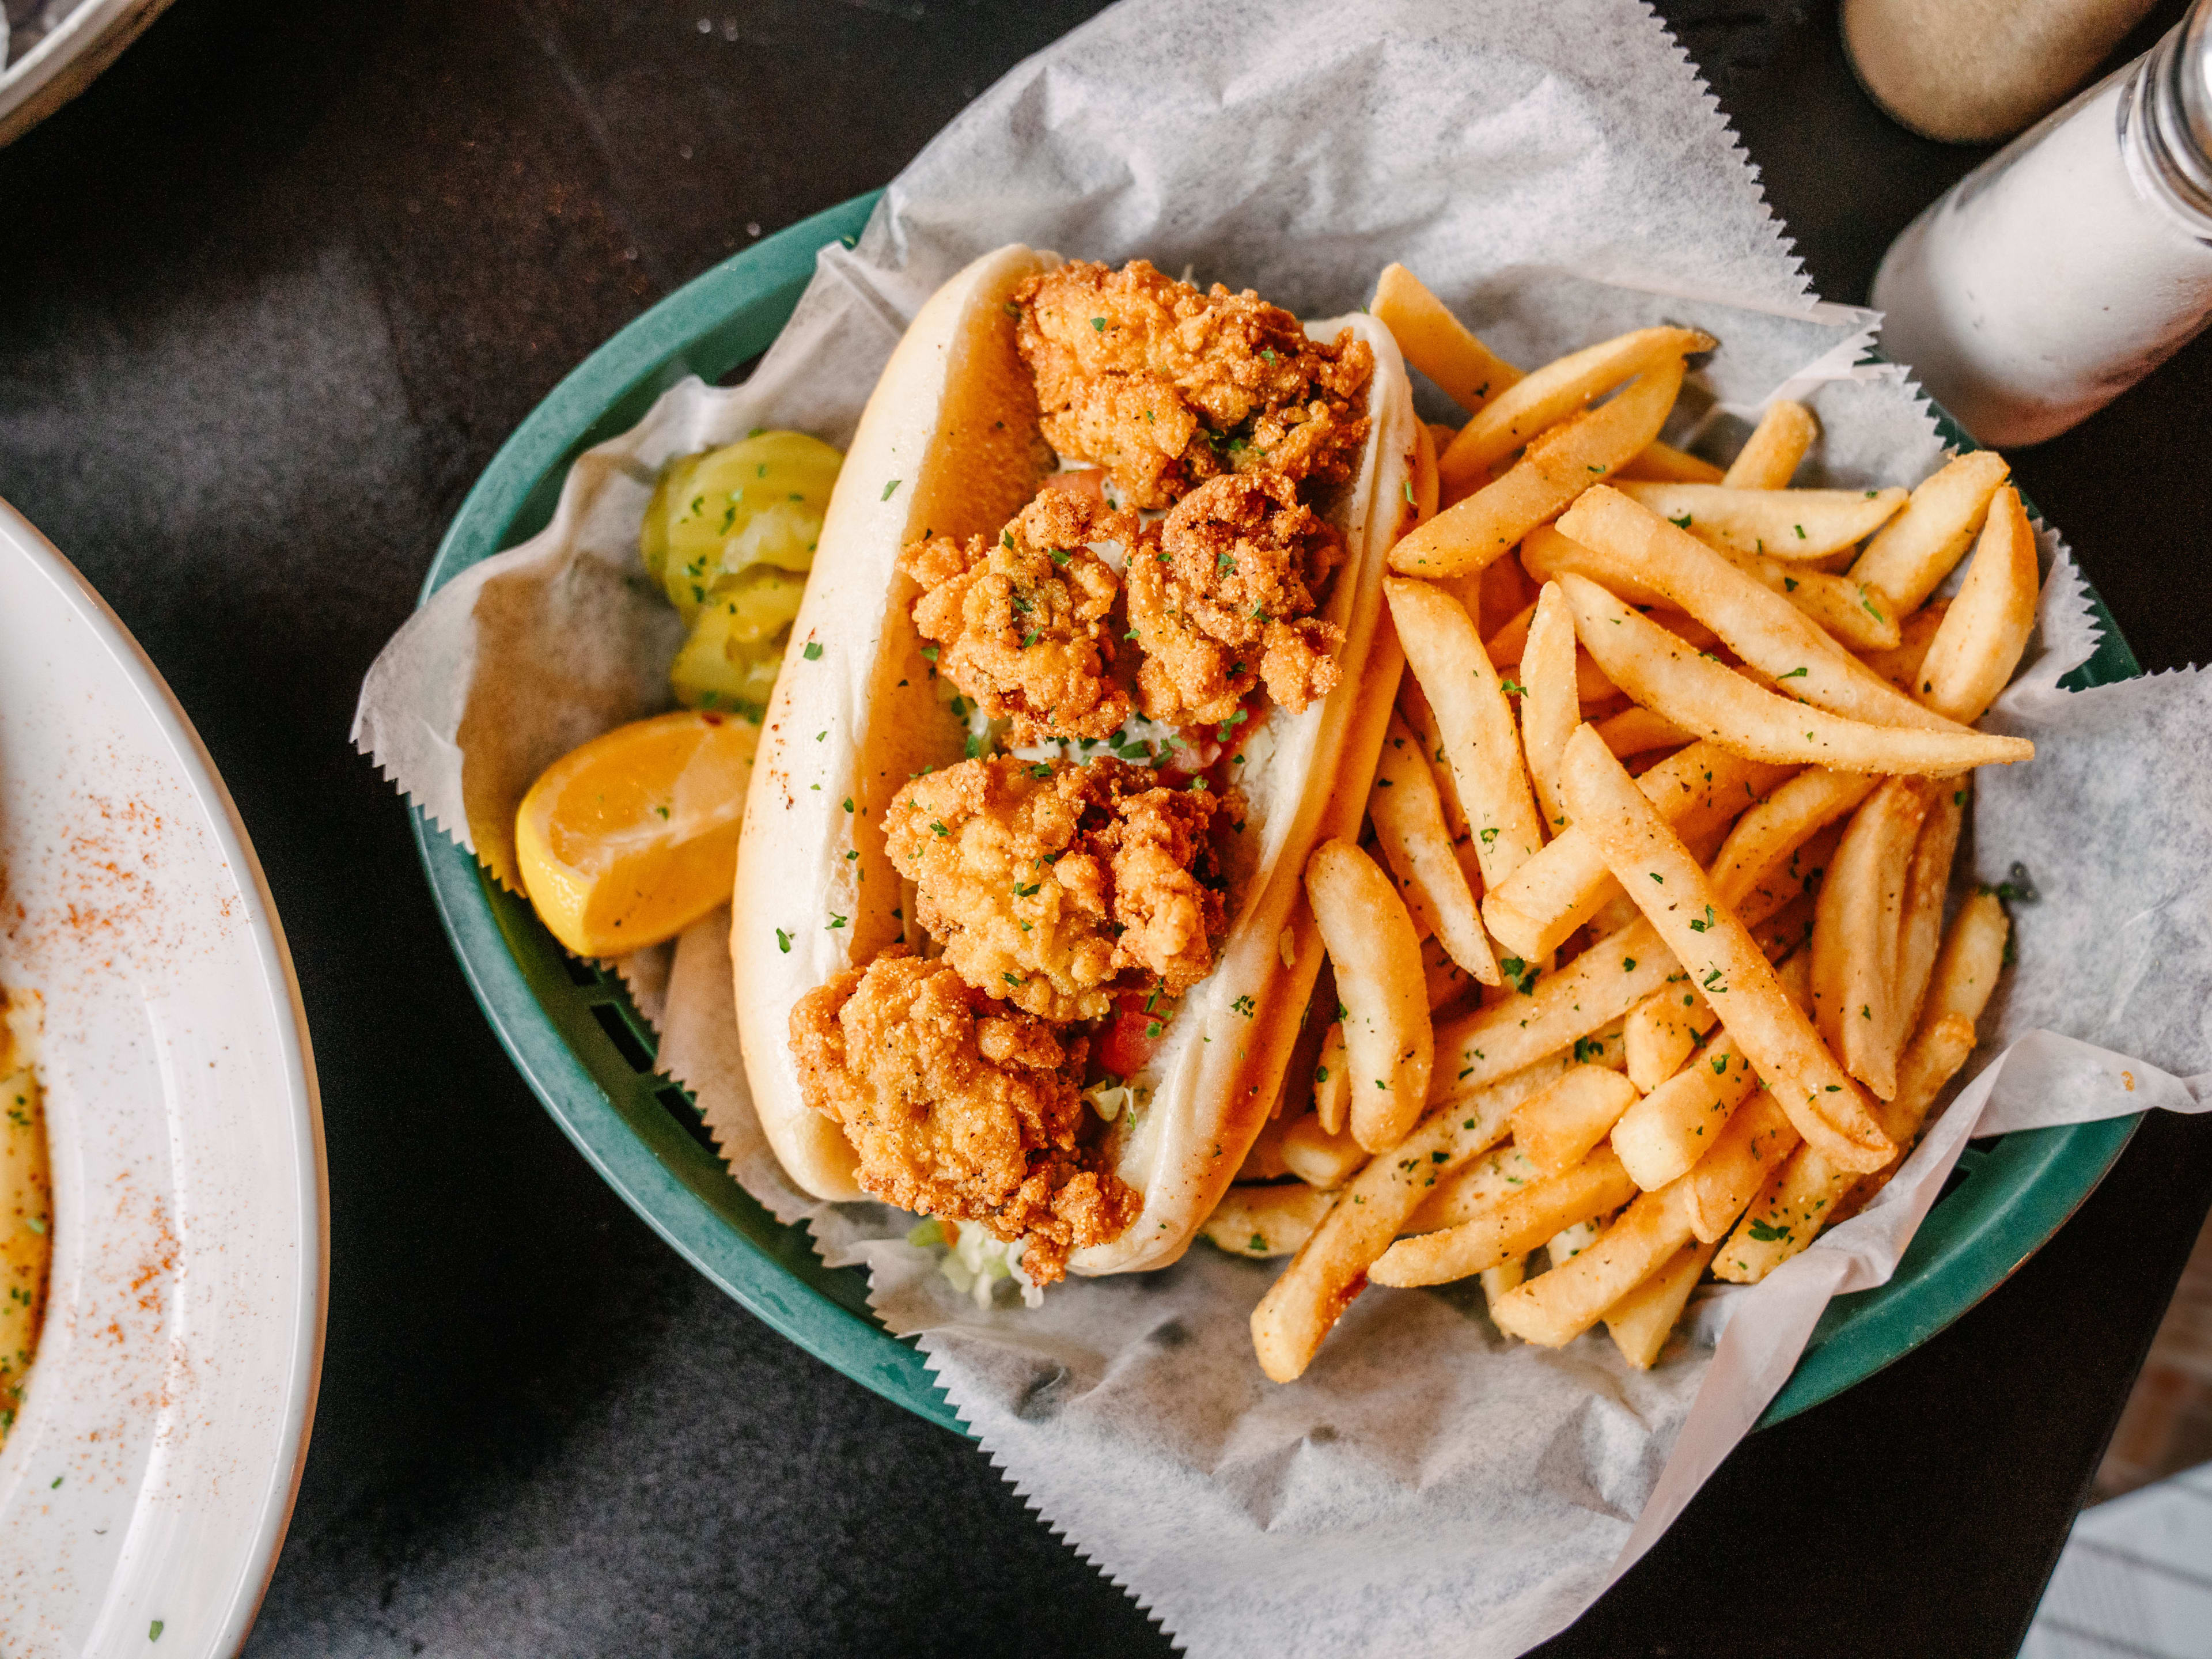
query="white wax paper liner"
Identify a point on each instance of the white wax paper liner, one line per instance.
(1557, 173)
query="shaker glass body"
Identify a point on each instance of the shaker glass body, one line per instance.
(2069, 265)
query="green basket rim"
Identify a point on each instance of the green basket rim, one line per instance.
(587, 1054)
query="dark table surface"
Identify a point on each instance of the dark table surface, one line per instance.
(270, 294)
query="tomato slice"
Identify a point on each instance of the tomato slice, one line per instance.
(1133, 1039)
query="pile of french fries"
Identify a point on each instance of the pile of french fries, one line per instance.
(1640, 969)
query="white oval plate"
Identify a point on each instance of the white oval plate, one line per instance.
(150, 1474)
(38, 80)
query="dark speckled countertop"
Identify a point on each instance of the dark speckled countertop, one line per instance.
(287, 261)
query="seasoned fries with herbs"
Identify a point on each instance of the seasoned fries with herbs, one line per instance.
(1722, 1002)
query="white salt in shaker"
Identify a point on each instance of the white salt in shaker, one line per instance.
(2067, 266)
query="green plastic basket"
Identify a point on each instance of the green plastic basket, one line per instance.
(589, 1056)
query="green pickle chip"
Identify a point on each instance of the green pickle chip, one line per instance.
(729, 535)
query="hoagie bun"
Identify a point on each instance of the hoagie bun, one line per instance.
(952, 447)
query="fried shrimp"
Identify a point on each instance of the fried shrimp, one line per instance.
(958, 1106)
(1223, 598)
(1049, 881)
(1165, 387)
(1021, 622)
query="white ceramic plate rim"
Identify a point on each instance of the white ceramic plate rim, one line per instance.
(160, 1542)
(24, 76)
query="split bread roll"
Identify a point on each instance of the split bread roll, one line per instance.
(949, 444)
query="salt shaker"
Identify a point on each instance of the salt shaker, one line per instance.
(2071, 264)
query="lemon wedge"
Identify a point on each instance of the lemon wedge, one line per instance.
(630, 838)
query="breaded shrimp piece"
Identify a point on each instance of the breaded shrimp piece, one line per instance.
(1049, 881)
(1021, 623)
(1223, 600)
(1165, 387)
(958, 1106)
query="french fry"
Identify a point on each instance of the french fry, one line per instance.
(1917, 548)
(1973, 653)
(1759, 845)
(1760, 626)
(1506, 592)
(1665, 463)
(1972, 958)
(1757, 1136)
(1712, 945)
(1332, 1081)
(1809, 1193)
(1769, 457)
(1318, 1156)
(1931, 1060)
(1570, 1241)
(1857, 615)
(1565, 387)
(1660, 1031)
(1855, 933)
(1472, 1188)
(1509, 643)
(1330, 1268)
(1723, 708)
(1556, 1127)
(1796, 1203)
(1424, 480)
(1445, 982)
(1421, 720)
(1510, 1226)
(1474, 724)
(1661, 1136)
(1437, 342)
(1555, 1307)
(1577, 1005)
(1371, 944)
(1920, 918)
(1966, 970)
(1550, 700)
(1506, 1276)
(1598, 988)
(1532, 912)
(1900, 664)
(1266, 1221)
(1638, 731)
(1641, 1322)
(1467, 536)
(1264, 1161)
(1408, 817)
(1796, 526)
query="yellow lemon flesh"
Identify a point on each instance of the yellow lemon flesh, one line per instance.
(630, 838)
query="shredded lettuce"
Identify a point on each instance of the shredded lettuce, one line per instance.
(975, 1263)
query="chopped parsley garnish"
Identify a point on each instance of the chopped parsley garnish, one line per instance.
(813, 651)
